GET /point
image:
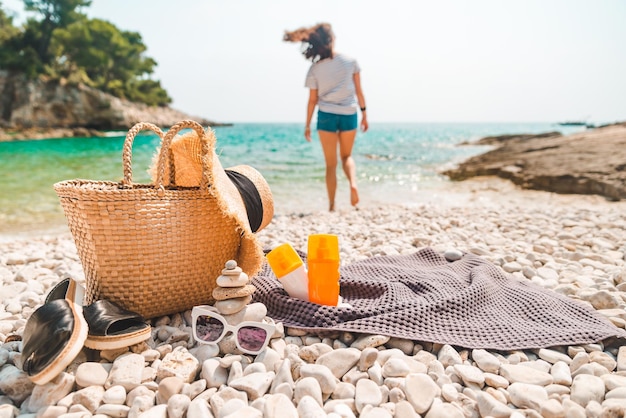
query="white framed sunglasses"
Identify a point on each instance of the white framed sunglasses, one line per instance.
(209, 327)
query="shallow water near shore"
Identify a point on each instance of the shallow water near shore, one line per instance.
(396, 163)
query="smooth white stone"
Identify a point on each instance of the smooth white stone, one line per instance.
(603, 359)
(615, 404)
(369, 341)
(613, 381)
(552, 409)
(199, 408)
(127, 371)
(310, 353)
(269, 358)
(194, 389)
(375, 412)
(404, 409)
(220, 398)
(516, 373)
(308, 387)
(621, 359)
(586, 388)
(232, 306)
(444, 410)
(51, 411)
(552, 356)
(214, 374)
(368, 358)
(561, 373)
(339, 361)
(489, 406)
(402, 344)
(89, 397)
(51, 392)
(327, 381)
(113, 410)
(396, 367)
(449, 392)
(204, 352)
(375, 374)
(177, 406)
(254, 384)
(580, 359)
(92, 374)
(486, 361)
(256, 367)
(470, 374)
(496, 381)
(114, 395)
(15, 383)
(238, 280)
(573, 410)
(421, 390)
(342, 409)
(367, 393)
(524, 395)
(279, 405)
(309, 407)
(448, 356)
(453, 254)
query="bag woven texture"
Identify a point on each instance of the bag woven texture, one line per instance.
(156, 249)
(469, 303)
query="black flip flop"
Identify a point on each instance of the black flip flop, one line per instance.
(110, 325)
(54, 335)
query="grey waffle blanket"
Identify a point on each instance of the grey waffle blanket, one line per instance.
(469, 303)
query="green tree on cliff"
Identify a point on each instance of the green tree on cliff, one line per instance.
(15, 54)
(96, 52)
(62, 43)
(54, 14)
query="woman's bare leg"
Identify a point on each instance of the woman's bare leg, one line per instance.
(346, 142)
(329, 141)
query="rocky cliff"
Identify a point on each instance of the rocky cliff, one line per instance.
(40, 106)
(590, 162)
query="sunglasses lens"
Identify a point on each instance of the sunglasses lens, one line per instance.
(251, 338)
(208, 328)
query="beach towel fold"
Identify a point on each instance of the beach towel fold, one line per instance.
(469, 303)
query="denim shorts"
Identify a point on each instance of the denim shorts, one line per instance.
(333, 123)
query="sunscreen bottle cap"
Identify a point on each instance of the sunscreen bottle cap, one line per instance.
(283, 260)
(323, 247)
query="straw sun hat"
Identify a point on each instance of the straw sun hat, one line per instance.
(243, 191)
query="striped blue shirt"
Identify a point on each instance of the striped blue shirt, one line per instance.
(332, 78)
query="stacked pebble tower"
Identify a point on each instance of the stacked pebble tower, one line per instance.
(233, 294)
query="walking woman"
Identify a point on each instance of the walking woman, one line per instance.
(334, 81)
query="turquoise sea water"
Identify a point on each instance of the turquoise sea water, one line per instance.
(395, 163)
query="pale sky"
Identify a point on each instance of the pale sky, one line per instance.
(422, 61)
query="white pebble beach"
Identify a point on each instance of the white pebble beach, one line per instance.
(574, 245)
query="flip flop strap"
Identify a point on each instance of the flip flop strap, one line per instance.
(107, 318)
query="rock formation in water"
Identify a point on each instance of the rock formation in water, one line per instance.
(589, 162)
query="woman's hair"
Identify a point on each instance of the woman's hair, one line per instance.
(317, 41)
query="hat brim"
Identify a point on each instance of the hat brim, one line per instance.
(262, 187)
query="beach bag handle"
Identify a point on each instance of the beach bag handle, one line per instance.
(165, 156)
(127, 152)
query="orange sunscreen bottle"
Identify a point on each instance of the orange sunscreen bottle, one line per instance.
(290, 271)
(323, 261)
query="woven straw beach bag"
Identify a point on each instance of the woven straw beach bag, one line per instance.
(157, 249)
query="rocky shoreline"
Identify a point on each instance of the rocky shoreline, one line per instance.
(42, 108)
(589, 162)
(573, 245)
